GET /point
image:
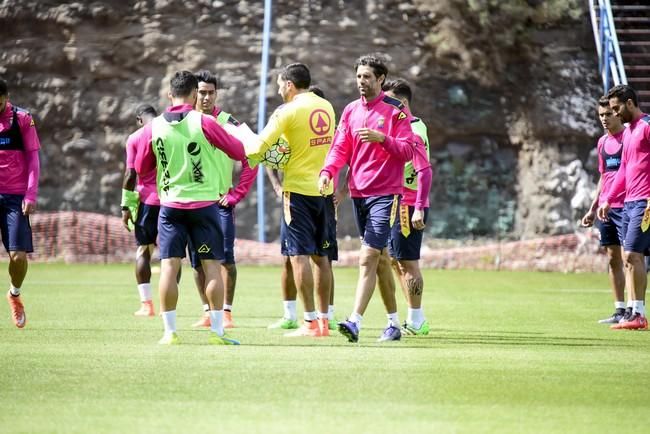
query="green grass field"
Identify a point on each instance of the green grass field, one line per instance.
(508, 352)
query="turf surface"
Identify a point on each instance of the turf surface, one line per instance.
(508, 352)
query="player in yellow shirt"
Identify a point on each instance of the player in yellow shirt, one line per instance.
(306, 122)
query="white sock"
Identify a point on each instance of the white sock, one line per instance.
(393, 319)
(14, 291)
(630, 303)
(639, 307)
(169, 321)
(309, 316)
(330, 312)
(322, 315)
(206, 307)
(227, 307)
(216, 321)
(290, 309)
(415, 317)
(356, 318)
(144, 289)
(619, 305)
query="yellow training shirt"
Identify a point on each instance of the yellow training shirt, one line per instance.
(307, 124)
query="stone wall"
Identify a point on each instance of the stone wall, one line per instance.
(506, 109)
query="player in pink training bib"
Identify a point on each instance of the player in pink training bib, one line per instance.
(19, 172)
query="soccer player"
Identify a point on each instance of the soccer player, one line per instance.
(205, 103)
(610, 150)
(307, 122)
(140, 208)
(19, 172)
(375, 140)
(180, 145)
(287, 284)
(632, 178)
(406, 237)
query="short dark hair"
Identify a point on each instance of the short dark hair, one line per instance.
(603, 101)
(145, 109)
(298, 74)
(206, 76)
(183, 83)
(317, 91)
(623, 92)
(375, 62)
(400, 87)
(3, 87)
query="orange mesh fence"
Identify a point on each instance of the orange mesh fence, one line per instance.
(72, 236)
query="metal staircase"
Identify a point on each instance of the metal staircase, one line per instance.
(622, 35)
(632, 20)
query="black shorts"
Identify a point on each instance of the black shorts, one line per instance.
(611, 231)
(375, 216)
(14, 225)
(146, 225)
(406, 247)
(227, 224)
(305, 225)
(199, 227)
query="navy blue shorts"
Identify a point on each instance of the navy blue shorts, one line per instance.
(305, 225)
(14, 225)
(406, 248)
(375, 216)
(330, 209)
(146, 225)
(635, 240)
(227, 224)
(611, 231)
(198, 227)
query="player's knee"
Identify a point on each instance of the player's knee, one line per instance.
(18, 257)
(144, 251)
(368, 256)
(634, 260)
(231, 269)
(615, 262)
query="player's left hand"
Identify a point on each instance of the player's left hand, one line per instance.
(224, 201)
(602, 212)
(28, 207)
(417, 219)
(126, 219)
(367, 135)
(323, 184)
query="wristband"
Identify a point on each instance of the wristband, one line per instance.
(130, 202)
(130, 198)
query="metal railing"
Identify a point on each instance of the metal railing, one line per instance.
(610, 62)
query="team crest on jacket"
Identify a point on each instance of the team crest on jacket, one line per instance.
(380, 123)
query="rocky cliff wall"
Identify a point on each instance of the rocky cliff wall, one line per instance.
(509, 106)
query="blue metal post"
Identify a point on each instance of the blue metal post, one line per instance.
(261, 116)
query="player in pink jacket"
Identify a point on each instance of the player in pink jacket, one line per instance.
(374, 138)
(633, 177)
(19, 172)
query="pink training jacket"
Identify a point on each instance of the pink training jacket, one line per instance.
(633, 177)
(612, 145)
(20, 168)
(419, 198)
(376, 169)
(145, 160)
(147, 181)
